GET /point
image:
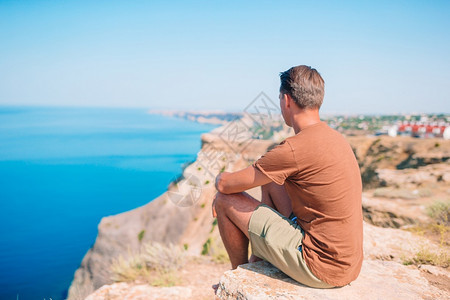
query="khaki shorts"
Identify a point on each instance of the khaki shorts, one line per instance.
(278, 240)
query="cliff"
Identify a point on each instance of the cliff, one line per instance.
(186, 220)
(171, 218)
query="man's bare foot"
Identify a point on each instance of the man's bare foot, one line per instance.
(215, 287)
(254, 258)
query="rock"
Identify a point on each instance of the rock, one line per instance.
(393, 244)
(378, 280)
(432, 173)
(384, 152)
(382, 275)
(400, 213)
(120, 291)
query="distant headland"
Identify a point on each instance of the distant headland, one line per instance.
(205, 117)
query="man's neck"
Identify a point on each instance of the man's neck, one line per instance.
(304, 118)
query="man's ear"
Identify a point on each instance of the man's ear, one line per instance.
(289, 100)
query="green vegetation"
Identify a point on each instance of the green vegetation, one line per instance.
(141, 235)
(214, 247)
(216, 250)
(427, 257)
(439, 228)
(439, 211)
(206, 247)
(154, 264)
(214, 224)
(206, 182)
(185, 246)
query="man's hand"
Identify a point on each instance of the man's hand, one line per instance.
(214, 214)
(236, 182)
(218, 179)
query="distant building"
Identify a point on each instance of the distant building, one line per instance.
(421, 129)
(446, 134)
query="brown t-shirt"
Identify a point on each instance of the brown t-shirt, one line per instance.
(322, 177)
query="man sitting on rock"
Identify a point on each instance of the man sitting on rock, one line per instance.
(309, 221)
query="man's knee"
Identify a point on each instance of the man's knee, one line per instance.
(223, 201)
(238, 201)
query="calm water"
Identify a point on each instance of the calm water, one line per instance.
(62, 170)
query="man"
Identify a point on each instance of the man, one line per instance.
(309, 221)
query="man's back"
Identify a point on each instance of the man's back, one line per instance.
(321, 176)
(313, 174)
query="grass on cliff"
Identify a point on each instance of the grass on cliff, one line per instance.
(438, 230)
(214, 247)
(428, 257)
(439, 211)
(154, 264)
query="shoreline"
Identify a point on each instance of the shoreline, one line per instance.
(203, 117)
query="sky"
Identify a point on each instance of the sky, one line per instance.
(376, 57)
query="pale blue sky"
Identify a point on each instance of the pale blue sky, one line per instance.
(376, 57)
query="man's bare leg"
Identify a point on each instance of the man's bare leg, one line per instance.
(233, 216)
(275, 196)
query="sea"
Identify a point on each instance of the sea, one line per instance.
(64, 168)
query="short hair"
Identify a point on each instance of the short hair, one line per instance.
(304, 84)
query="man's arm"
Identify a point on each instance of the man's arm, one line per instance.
(236, 182)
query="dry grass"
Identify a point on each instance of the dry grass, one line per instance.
(437, 230)
(427, 257)
(154, 264)
(439, 211)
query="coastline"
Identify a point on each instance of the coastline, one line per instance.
(204, 117)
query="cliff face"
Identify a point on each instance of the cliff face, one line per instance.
(171, 218)
(399, 153)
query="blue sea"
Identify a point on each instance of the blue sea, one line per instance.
(62, 170)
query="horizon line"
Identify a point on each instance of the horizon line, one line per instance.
(212, 110)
